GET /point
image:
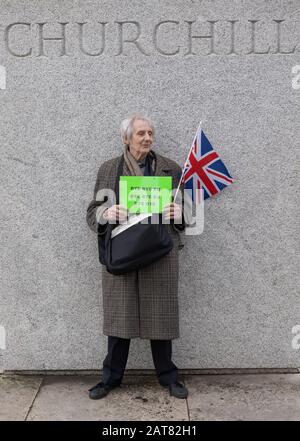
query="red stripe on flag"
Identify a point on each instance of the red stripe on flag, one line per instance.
(213, 172)
(197, 167)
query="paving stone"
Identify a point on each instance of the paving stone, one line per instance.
(244, 397)
(138, 399)
(17, 394)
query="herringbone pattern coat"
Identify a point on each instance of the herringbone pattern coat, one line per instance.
(141, 303)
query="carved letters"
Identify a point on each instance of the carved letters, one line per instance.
(168, 38)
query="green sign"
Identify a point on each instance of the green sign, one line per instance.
(145, 194)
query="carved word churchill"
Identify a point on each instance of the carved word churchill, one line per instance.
(167, 38)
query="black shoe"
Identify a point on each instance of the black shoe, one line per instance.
(101, 390)
(178, 390)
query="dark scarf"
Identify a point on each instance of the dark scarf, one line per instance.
(134, 167)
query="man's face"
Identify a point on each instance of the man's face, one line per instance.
(141, 140)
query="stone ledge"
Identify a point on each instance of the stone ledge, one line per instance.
(130, 372)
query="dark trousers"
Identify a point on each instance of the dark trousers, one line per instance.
(116, 359)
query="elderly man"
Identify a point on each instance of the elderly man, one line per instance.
(141, 303)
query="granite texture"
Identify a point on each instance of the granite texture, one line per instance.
(59, 120)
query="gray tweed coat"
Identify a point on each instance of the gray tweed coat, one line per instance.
(141, 303)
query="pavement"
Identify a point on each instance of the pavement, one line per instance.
(264, 397)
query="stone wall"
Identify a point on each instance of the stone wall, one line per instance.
(69, 72)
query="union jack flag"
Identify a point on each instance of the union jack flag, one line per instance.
(204, 170)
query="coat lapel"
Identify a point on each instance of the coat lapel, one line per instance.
(162, 168)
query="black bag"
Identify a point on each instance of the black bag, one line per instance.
(134, 248)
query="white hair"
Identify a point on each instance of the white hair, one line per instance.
(127, 125)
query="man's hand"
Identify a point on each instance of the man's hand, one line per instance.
(116, 212)
(172, 211)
